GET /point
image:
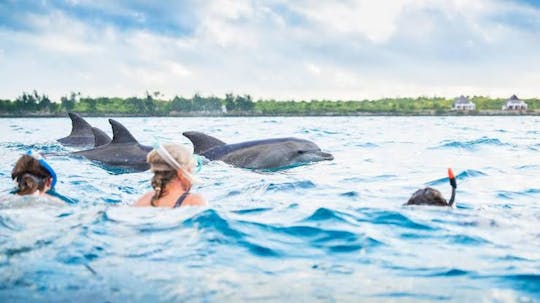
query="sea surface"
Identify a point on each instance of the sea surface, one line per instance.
(333, 231)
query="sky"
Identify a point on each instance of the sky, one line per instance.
(273, 49)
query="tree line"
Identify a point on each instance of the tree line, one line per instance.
(152, 104)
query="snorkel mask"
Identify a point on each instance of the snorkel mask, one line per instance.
(169, 159)
(43, 164)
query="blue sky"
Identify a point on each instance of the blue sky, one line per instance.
(303, 49)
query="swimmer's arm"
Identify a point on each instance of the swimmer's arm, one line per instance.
(144, 200)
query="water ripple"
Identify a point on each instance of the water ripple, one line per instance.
(466, 174)
(471, 144)
(391, 218)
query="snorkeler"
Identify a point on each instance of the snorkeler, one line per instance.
(431, 196)
(173, 166)
(33, 175)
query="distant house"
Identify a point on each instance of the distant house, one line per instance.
(463, 103)
(514, 103)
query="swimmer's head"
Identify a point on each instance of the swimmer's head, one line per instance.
(174, 157)
(431, 196)
(427, 196)
(170, 161)
(32, 173)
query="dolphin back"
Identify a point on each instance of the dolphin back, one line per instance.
(120, 133)
(81, 132)
(122, 152)
(79, 126)
(202, 142)
(100, 137)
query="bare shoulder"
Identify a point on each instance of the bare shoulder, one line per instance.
(195, 200)
(144, 200)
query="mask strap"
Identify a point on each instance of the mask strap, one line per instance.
(44, 164)
(166, 156)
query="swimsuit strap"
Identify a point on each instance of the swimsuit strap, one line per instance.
(181, 199)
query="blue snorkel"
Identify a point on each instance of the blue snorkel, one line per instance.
(43, 164)
(199, 163)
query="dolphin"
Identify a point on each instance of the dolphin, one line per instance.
(81, 132)
(100, 137)
(259, 154)
(122, 152)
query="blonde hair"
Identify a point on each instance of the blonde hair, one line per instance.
(164, 172)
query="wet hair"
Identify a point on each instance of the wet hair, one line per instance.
(164, 173)
(29, 175)
(159, 183)
(427, 196)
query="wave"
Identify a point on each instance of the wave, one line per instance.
(366, 145)
(535, 147)
(290, 186)
(325, 214)
(377, 178)
(46, 149)
(464, 175)
(509, 195)
(415, 295)
(525, 282)
(381, 217)
(471, 144)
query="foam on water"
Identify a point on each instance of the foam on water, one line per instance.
(326, 232)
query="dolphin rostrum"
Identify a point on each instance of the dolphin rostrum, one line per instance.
(81, 132)
(122, 152)
(259, 154)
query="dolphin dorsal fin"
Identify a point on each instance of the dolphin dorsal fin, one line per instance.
(100, 137)
(202, 142)
(79, 126)
(120, 133)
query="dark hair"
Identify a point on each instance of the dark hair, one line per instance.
(159, 182)
(30, 175)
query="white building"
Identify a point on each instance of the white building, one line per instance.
(514, 104)
(463, 103)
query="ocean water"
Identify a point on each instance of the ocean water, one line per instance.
(334, 231)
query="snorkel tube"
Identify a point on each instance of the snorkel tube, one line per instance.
(453, 184)
(43, 164)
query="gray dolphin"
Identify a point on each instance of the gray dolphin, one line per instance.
(100, 137)
(122, 152)
(81, 132)
(259, 154)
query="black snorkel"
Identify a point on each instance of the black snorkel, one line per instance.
(453, 184)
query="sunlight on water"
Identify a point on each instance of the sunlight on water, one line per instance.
(327, 232)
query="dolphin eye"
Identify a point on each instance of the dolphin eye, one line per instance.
(301, 152)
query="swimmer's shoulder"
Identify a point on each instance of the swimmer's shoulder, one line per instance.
(194, 199)
(145, 199)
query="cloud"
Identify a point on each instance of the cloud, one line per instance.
(273, 49)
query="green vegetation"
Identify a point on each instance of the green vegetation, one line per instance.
(150, 105)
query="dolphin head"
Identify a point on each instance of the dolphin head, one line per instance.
(292, 152)
(307, 151)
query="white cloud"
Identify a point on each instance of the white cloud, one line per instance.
(372, 19)
(304, 50)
